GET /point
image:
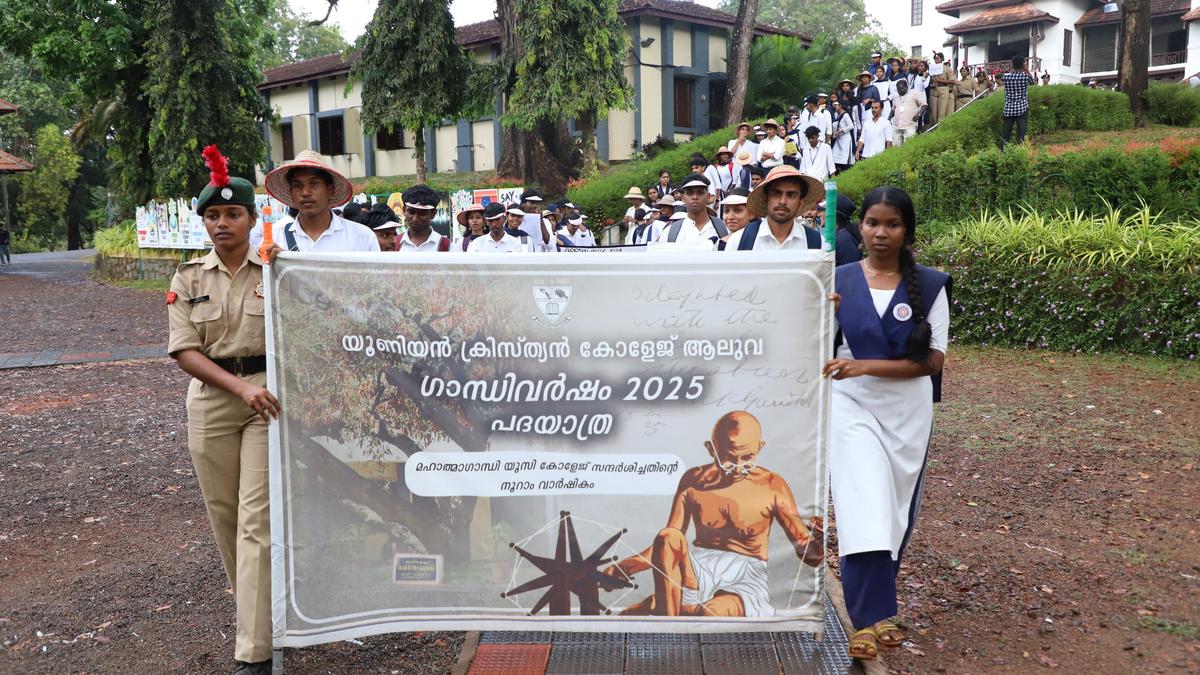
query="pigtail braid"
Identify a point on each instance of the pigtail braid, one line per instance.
(922, 333)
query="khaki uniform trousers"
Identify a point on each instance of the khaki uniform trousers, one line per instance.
(228, 444)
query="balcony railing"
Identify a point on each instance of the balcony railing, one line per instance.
(1168, 58)
(1005, 66)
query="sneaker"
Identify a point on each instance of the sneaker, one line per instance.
(259, 668)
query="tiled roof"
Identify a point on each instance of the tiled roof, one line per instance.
(1192, 15)
(484, 32)
(999, 17)
(955, 6)
(1095, 16)
(300, 71)
(6, 107)
(12, 164)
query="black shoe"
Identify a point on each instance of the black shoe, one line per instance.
(259, 668)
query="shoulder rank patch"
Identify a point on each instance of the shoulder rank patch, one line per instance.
(172, 296)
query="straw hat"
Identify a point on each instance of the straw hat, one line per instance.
(462, 215)
(771, 123)
(723, 150)
(666, 202)
(813, 190)
(743, 158)
(277, 184)
(635, 193)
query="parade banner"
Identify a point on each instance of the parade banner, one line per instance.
(530, 442)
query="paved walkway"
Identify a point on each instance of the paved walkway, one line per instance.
(59, 357)
(59, 265)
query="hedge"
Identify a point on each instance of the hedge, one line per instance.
(978, 127)
(1174, 104)
(601, 197)
(957, 184)
(1071, 282)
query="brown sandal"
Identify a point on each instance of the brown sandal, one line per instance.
(887, 634)
(864, 649)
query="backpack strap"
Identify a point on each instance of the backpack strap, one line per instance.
(719, 226)
(291, 238)
(814, 238)
(749, 234)
(673, 232)
(443, 244)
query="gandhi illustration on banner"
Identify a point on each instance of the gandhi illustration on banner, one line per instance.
(733, 502)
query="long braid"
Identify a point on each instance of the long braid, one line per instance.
(922, 333)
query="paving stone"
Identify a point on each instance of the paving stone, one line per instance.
(587, 658)
(642, 658)
(510, 659)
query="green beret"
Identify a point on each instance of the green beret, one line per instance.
(238, 191)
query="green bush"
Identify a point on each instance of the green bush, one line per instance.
(1072, 282)
(1173, 104)
(601, 197)
(957, 184)
(978, 127)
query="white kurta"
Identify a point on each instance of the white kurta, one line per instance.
(881, 429)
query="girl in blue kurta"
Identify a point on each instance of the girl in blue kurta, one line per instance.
(894, 318)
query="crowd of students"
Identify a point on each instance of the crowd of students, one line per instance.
(892, 313)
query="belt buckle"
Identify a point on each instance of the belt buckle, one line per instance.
(238, 367)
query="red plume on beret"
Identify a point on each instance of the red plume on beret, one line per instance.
(218, 166)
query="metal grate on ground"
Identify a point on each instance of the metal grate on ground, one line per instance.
(680, 653)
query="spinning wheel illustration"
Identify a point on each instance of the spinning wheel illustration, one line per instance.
(576, 574)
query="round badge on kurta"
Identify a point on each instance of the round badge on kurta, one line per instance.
(902, 312)
(226, 193)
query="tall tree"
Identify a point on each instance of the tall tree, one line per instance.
(293, 37)
(1133, 64)
(841, 18)
(572, 66)
(203, 70)
(739, 59)
(97, 47)
(46, 189)
(414, 73)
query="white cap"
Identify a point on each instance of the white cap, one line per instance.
(693, 183)
(386, 226)
(515, 210)
(733, 200)
(575, 221)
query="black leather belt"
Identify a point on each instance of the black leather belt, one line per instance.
(243, 365)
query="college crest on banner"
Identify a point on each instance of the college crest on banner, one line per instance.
(531, 442)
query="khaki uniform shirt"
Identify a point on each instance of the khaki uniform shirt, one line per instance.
(968, 87)
(231, 322)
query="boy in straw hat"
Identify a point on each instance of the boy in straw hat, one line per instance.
(313, 187)
(636, 201)
(770, 149)
(784, 195)
(216, 315)
(744, 142)
(722, 173)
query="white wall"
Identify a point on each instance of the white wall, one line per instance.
(895, 16)
(1193, 57)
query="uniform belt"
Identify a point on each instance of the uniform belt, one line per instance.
(243, 365)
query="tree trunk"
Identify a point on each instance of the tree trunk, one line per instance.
(587, 142)
(739, 60)
(419, 155)
(1133, 58)
(7, 211)
(546, 155)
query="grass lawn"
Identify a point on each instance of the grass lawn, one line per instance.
(1153, 134)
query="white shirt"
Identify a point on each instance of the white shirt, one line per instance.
(256, 232)
(430, 244)
(748, 146)
(342, 236)
(876, 134)
(817, 162)
(819, 119)
(771, 145)
(486, 244)
(649, 234)
(766, 241)
(720, 177)
(907, 107)
(843, 146)
(689, 233)
(918, 83)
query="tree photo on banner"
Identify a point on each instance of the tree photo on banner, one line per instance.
(490, 446)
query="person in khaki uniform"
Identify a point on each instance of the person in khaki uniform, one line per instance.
(216, 314)
(968, 89)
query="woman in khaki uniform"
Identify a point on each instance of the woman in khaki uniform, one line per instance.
(216, 314)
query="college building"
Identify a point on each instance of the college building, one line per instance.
(1075, 40)
(676, 68)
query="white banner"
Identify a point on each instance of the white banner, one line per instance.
(531, 442)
